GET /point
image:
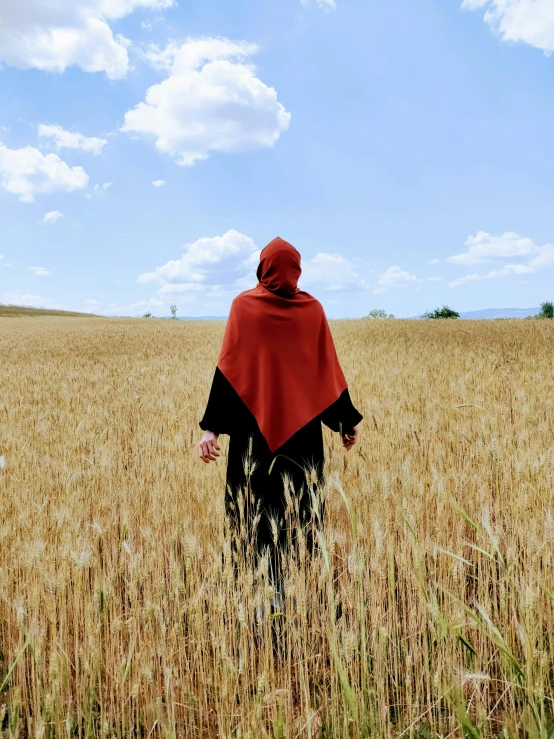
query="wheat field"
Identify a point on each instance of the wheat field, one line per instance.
(428, 611)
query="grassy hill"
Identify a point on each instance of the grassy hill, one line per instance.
(16, 311)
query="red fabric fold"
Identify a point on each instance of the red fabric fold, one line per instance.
(278, 352)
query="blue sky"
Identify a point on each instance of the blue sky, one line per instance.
(405, 148)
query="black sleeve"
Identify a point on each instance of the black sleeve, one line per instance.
(221, 406)
(341, 416)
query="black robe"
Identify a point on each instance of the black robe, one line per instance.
(301, 459)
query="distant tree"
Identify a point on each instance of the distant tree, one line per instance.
(444, 312)
(173, 309)
(379, 313)
(547, 310)
(147, 315)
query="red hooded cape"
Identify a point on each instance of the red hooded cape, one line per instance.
(278, 352)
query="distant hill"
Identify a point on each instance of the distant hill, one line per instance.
(491, 313)
(16, 311)
(501, 313)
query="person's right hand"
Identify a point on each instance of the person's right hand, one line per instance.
(350, 438)
(208, 448)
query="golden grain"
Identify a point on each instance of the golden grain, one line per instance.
(429, 613)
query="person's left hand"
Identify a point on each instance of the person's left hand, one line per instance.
(350, 438)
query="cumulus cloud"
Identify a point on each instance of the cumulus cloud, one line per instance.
(395, 277)
(53, 36)
(27, 172)
(62, 139)
(91, 301)
(485, 248)
(52, 216)
(331, 272)
(158, 183)
(219, 260)
(210, 101)
(519, 21)
(40, 271)
(222, 266)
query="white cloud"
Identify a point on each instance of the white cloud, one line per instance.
(209, 261)
(324, 4)
(28, 172)
(331, 272)
(507, 271)
(52, 216)
(31, 301)
(211, 101)
(141, 307)
(40, 271)
(222, 266)
(434, 261)
(91, 301)
(172, 288)
(101, 190)
(519, 21)
(63, 139)
(395, 277)
(485, 248)
(544, 257)
(54, 35)
(149, 24)
(158, 183)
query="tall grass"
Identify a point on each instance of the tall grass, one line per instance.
(427, 612)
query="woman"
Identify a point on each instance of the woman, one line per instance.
(278, 378)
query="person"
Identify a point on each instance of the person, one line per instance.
(277, 380)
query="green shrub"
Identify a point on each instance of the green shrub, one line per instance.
(379, 313)
(444, 312)
(547, 310)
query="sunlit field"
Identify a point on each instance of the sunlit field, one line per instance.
(428, 610)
